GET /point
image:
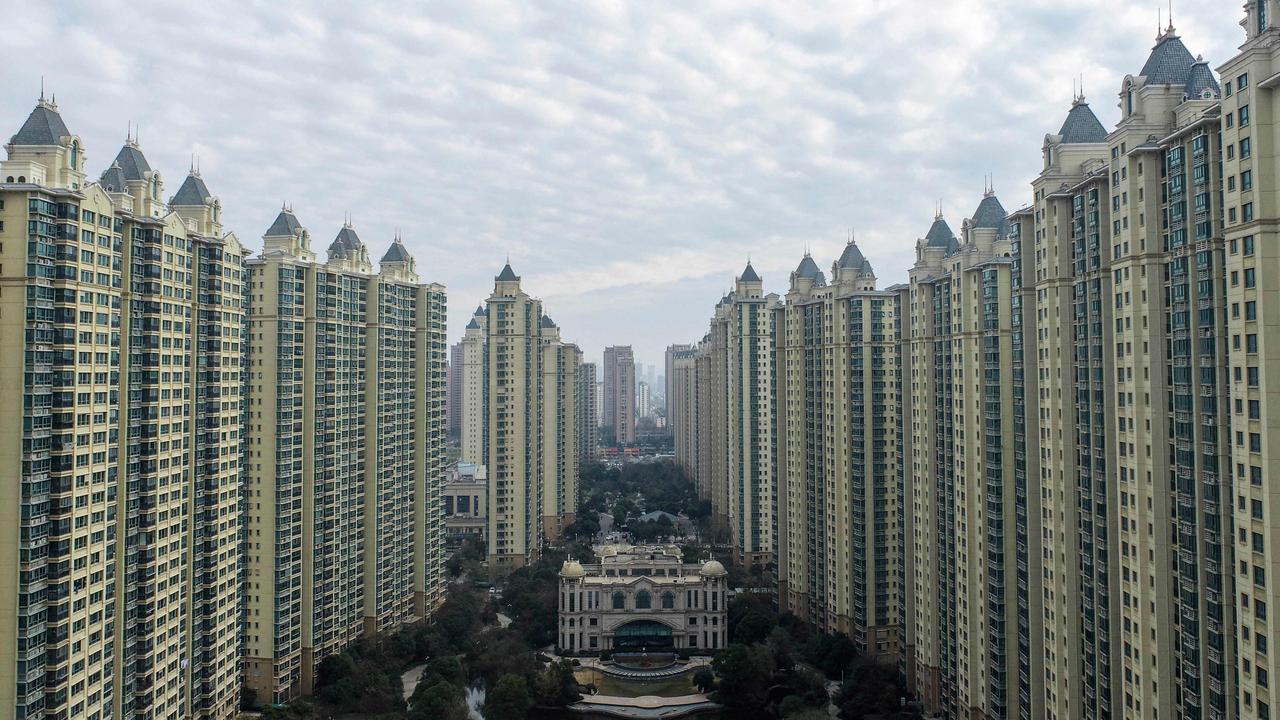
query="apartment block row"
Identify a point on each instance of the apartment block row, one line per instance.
(224, 467)
(1040, 475)
(528, 413)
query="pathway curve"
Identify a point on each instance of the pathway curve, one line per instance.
(409, 679)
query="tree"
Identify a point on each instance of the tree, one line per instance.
(508, 700)
(870, 690)
(830, 653)
(556, 686)
(745, 674)
(440, 700)
(500, 652)
(704, 680)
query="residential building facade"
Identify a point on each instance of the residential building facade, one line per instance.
(346, 425)
(587, 422)
(620, 393)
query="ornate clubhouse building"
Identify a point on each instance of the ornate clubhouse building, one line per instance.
(642, 598)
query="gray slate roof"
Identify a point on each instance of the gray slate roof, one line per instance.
(1200, 79)
(749, 274)
(43, 127)
(192, 192)
(346, 243)
(852, 258)
(1082, 126)
(479, 310)
(940, 235)
(809, 269)
(112, 179)
(1169, 63)
(507, 274)
(286, 223)
(546, 322)
(132, 162)
(396, 253)
(473, 325)
(991, 214)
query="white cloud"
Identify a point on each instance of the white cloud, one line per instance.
(628, 157)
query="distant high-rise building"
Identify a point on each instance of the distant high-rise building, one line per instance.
(669, 382)
(588, 422)
(682, 408)
(346, 410)
(474, 386)
(454, 401)
(620, 392)
(643, 400)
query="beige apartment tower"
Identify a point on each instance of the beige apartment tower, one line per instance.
(588, 421)
(836, 421)
(530, 426)
(122, 360)
(560, 456)
(473, 405)
(346, 424)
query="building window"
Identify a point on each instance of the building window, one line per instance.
(619, 601)
(643, 600)
(668, 601)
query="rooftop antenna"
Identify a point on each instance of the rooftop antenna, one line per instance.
(1159, 22)
(41, 88)
(197, 165)
(192, 167)
(1170, 15)
(128, 132)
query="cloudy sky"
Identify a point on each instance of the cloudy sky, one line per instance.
(627, 156)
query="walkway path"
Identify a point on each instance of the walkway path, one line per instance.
(410, 679)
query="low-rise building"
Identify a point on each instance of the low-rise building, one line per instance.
(642, 598)
(466, 503)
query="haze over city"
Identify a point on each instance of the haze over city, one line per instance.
(627, 158)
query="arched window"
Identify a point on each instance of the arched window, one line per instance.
(75, 154)
(155, 188)
(22, 178)
(668, 600)
(643, 601)
(9, 179)
(619, 601)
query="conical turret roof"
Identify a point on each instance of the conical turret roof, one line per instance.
(1081, 125)
(346, 244)
(192, 192)
(132, 162)
(44, 126)
(286, 223)
(396, 253)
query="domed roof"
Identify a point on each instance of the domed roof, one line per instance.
(572, 569)
(713, 568)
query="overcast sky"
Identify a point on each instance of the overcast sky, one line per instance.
(627, 156)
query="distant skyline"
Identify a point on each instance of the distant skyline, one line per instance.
(628, 158)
